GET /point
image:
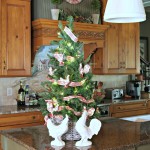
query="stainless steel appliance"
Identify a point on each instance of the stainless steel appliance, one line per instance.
(147, 88)
(113, 93)
(133, 88)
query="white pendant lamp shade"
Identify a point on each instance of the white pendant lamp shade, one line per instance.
(124, 11)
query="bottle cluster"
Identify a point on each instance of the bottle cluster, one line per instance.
(24, 98)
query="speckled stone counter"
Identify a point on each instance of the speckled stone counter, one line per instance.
(115, 134)
(12, 109)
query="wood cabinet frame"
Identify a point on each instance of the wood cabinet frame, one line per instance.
(45, 31)
(130, 109)
(15, 38)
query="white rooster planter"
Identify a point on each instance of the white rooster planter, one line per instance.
(86, 132)
(56, 131)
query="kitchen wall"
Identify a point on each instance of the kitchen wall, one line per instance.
(42, 8)
(40, 72)
(34, 83)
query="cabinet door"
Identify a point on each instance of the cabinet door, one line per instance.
(16, 51)
(122, 52)
(129, 52)
(0, 39)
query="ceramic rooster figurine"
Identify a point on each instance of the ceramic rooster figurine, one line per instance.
(86, 132)
(56, 131)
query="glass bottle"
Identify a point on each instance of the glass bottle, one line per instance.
(27, 95)
(21, 94)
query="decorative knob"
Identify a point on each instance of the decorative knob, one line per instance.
(33, 117)
(4, 65)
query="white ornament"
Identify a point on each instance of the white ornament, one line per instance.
(84, 69)
(64, 82)
(51, 71)
(60, 58)
(87, 132)
(56, 131)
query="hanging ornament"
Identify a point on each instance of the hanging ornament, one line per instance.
(85, 70)
(51, 106)
(70, 58)
(64, 82)
(70, 34)
(59, 57)
(73, 1)
(51, 71)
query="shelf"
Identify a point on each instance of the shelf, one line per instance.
(45, 30)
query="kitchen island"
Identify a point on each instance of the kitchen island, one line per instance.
(115, 134)
(16, 117)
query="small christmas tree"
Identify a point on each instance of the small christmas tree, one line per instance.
(69, 88)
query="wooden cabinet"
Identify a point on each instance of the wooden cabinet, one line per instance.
(0, 38)
(122, 49)
(20, 120)
(130, 109)
(15, 38)
(121, 53)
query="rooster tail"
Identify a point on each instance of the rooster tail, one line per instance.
(95, 126)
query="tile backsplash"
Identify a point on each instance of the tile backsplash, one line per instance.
(35, 81)
(40, 71)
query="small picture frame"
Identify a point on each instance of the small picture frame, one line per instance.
(144, 48)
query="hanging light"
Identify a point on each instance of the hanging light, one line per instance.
(124, 11)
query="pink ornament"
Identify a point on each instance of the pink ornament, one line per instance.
(70, 34)
(59, 57)
(51, 106)
(85, 70)
(64, 82)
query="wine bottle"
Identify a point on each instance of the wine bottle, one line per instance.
(27, 95)
(21, 95)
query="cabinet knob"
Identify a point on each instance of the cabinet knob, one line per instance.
(33, 117)
(4, 65)
(27, 27)
(17, 36)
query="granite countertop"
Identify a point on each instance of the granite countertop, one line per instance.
(115, 134)
(12, 109)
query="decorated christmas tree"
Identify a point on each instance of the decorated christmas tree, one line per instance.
(69, 86)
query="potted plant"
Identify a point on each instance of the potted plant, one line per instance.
(55, 11)
(96, 5)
